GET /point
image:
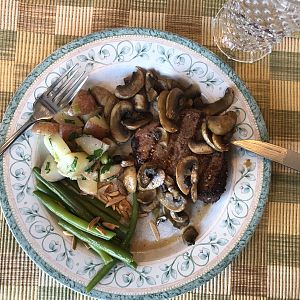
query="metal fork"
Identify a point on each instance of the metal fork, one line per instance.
(55, 98)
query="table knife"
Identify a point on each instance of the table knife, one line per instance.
(275, 153)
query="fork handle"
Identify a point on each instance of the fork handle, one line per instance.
(15, 135)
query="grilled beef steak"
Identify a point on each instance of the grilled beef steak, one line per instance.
(212, 167)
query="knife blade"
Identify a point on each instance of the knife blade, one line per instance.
(273, 152)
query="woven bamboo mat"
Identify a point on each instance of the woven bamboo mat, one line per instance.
(269, 266)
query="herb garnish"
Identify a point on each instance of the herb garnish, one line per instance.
(73, 165)
(47, 168)
(97, 154)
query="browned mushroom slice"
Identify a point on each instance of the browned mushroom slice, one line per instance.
(222, 124)
(141, 104)
(207, 135)
(150, 176)
(220, 105)
(172, 103)
(219, 142)
(167, 124)
(192, 91)
(189, 235)
(200, 147)
(130, 180)
(168, 200)
(132, 87)
(161, 136)
(140, 121)
(119, 112)
(179, 219)
(151, 85)
(183, 173)
(146, 197)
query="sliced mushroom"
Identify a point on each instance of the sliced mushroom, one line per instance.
(169, 181)
(198, 103)
(167, 124)
(200, 147)
(120, 111)
(179, 219)
(161, 136)
(219, 142)
(207, 135)
(146, 197)
(105, 98)
(222, 124)
(172, 103)
(183, 173)
(112, 145)
(149, 207)
(170, 202)
(107, 173)
(142, 120)
(154, 230)
(130, 180)
(132, 87)
(185, 103)
(192, 91)
(141, 104)
(168, 83)
(127, 163)
(189, 235)
(151, 85)
(220, 105)
(194, 182)
(150, 176)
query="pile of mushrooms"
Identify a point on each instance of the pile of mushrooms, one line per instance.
(146, 96)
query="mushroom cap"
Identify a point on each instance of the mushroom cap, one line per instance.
(150, 176)
(172, 103)
(221, 105)
(179, 219)
(183, 171)
(167, 124)
(207, 135)
(119, 132)
(189, 235)
(132, 87)
(200, 147)
(222, 124)
(170, 202)
(141, 104)
(161, 136)
(142, 120)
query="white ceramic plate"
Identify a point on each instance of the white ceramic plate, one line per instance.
(166, 268)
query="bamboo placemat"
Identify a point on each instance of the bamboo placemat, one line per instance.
(269, 266)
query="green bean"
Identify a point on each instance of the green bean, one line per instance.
(104, 256)
(59, 190)
(107, 246)
(72, 219)
(43, 188)
(97, 203)
(105, 269)
(121, 230)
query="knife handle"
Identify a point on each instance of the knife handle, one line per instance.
(267, 150)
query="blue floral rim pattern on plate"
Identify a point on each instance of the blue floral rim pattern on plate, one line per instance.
(170, 37)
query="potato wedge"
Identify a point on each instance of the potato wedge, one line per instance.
(45, 128)
(49, 170)
(56, 146)
(74, 164)
(62, 117)
(97, 127)
(87, 186)
(92, 146)
(69, 132)
(82, 104)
